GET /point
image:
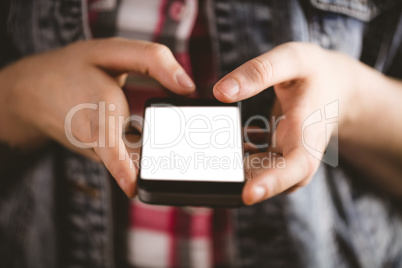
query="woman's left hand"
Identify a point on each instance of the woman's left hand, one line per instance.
(306, 79)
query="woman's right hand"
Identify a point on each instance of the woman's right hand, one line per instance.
(37, 93)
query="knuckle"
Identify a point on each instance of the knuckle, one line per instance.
(303, 52)
(157, 54)
(261, 69)
(296, 51)
(295, 48)
(158, 51)
(250, 174)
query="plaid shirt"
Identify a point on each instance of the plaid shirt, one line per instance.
(161, 236)
(178, 237)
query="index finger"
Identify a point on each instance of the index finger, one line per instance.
(284, 63)
(153, 59)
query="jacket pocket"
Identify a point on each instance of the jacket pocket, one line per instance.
(364, 10)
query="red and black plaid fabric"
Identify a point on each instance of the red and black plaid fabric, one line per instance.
(162, 236)
(178, 237)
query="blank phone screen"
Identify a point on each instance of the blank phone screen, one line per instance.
(192, 143)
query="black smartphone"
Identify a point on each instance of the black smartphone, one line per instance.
(192, 153)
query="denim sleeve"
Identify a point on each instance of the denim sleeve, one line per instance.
(362, 10)
(8, 52)
(27, 209)
(333, 222)
(338, 220)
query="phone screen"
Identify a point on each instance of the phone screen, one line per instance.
(186, 143)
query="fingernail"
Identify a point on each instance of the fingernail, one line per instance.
(259, 194)
(184, 80)
(229, 87)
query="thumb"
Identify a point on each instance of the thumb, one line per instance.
(117, 161)
(112, 150)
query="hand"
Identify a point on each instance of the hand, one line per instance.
(38, 92)
(305, 78)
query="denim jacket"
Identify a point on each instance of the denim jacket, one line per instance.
(59, 209)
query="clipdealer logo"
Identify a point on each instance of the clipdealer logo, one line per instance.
(327, 116)
(330, 119)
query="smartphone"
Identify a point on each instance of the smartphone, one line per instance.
(192, 153)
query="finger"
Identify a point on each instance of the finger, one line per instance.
(283, 63)
(156, 60)
(297, 166)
